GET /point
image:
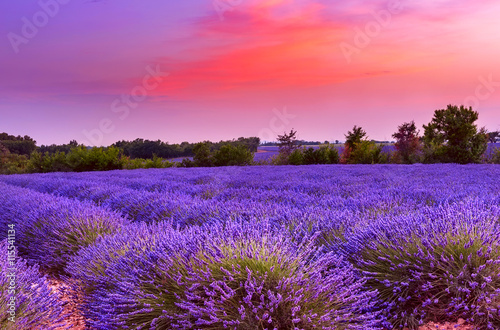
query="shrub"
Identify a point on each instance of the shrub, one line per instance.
(229, 155)
(44, 163)
(133, 164)
(13, 164)
(296, 157)
(438, 266)
(279, 159)
(310, 156)
(79, 159)
(332, 154)
(236, 275)
(494, 156)
(36, 307)
(385, 157)
(358, 150)
(202, 156)
(365, 152)
(156, 162)
(186, 162)
(325, 154)
(82, 159)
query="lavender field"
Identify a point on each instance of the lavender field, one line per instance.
(262, 247)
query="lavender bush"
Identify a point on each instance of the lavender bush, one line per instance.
(438, 265)
(51, 229)
(90, 265)
(237, 275)
(35, 305)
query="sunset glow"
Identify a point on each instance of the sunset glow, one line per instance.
(221, 67)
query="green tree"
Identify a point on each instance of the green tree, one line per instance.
(287, 143)
(353, 140)
(365, 152)
(82, 159)
(4, 154)
(186, 162)
(296, 157)
(355, 136)
(452, 136)
(202, 156)
(52, 149)
(407, 143)
(230, 155)
(325, 154)
(311, 156)
(11, 163)
(19, 145)
(332, 154)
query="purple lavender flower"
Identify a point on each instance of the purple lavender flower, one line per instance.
(26, 300)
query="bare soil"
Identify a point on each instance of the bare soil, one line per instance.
(75, 320)
(459, 325)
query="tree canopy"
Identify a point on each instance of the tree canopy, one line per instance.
(407, 142)
(452, 136)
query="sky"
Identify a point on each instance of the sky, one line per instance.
(100, 71)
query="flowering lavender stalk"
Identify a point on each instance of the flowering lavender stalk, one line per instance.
(440, 264)
(51, 229)
(26, 300)
(240, 275)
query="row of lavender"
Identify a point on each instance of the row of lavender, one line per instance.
(359, 247)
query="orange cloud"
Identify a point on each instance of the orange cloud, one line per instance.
(253, 49)
(278, 45)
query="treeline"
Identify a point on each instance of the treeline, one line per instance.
(226, 155)
(19, 145)
(451, 137)
(18, 158)
(147, 149)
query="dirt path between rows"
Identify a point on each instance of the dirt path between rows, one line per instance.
(77, 322)
(459, 325)
(74, 320)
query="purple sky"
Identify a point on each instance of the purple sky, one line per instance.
(102, 71)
